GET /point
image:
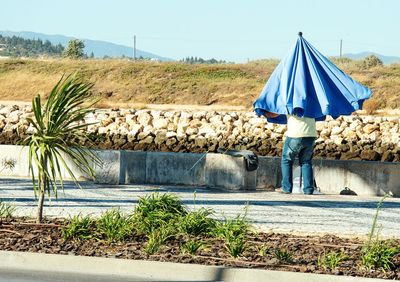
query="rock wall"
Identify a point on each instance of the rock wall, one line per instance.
(348, 138)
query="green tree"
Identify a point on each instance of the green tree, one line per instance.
(58, 130)
(75, 49)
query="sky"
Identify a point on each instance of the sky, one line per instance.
(231, 30)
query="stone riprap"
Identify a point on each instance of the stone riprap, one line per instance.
(348, 138)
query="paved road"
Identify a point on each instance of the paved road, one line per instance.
(342, 215)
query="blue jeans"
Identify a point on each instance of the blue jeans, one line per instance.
(303, 147)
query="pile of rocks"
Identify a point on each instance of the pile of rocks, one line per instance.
(353, 137)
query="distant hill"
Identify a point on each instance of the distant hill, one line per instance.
(387, 60)
(99, 48)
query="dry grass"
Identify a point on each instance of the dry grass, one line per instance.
(126, 83)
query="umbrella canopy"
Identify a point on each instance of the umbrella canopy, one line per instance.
(305, 83)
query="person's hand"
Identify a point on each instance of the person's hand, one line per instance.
(270, 115)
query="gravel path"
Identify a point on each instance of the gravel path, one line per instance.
(316, 214)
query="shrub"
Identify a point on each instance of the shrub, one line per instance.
(192, 246)
(331, 260)
(79, 227)
(6, 210)
(234, 232)
(231, 228)
(379, 254)
(263, 249)
(156, 210)
(197, 222)
(235, 245)
(114, 225)
(371, 61)
(283, 255)
(157, 237)
(370, 106)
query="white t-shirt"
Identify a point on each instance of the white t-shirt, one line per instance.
(300, 127)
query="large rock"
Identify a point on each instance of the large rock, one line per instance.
(144, 118)
(369, 128)
(160, 123)
(369, 155)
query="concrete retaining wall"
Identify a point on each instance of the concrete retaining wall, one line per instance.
(220, 171)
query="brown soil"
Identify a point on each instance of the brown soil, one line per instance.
(26, 236)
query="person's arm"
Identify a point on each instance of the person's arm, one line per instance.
(270, 115)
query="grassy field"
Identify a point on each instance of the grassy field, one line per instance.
(124, 83)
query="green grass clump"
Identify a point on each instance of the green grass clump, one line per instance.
(197, 222)
(234, 232)
(157, 237)
(156, 210)
(231, 227)
(283, 255)
(114, 225)
(192, 246)
(235, 245)
(80, 227)
(332, 260)
(263, 249)
(6, 210)
(379, 254)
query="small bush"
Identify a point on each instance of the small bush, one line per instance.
(370, 106)
(231, 228)
(331, 260)
(155, 202)
(114, 225)
(156, 210)
(6, 210)
(197, 222)
(263, 250)
(283, 255)
(235, 245)
(371, 61)
(192, 246)
(234, 232)
(79, 227)
(157, 238)
(379, 254)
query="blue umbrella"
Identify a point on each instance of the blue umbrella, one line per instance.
(305, 83)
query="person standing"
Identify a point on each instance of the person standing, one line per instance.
(300, 139)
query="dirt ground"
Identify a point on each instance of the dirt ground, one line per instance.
(24, 235)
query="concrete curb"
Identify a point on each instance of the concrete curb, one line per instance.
(153, 270)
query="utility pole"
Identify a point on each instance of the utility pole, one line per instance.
(341, 43)
(134, 47)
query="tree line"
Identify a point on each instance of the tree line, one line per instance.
(196, 60)
(20, 47)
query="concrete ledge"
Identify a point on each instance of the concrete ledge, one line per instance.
(151, 270)
(175, 168)
(364, 178)
(222, 171)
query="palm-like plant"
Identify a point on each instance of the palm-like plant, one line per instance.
(58, 130)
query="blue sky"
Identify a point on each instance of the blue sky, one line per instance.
(231, 30)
